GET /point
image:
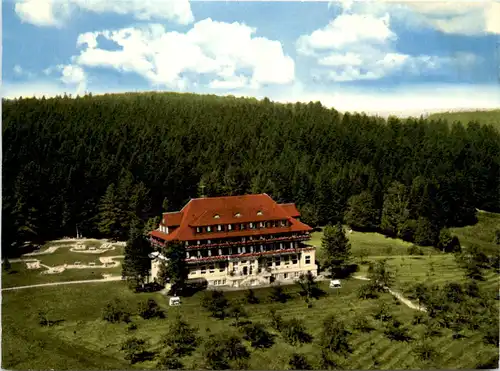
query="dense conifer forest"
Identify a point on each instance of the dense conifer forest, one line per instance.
(99, 162)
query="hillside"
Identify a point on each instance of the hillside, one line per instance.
(483, 117)
(67, 162)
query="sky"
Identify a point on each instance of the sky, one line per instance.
(381, 57)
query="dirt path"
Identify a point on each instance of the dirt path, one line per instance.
(106, 279)
(397, 295)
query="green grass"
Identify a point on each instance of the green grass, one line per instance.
(484, 117)
(84, 341)
(481, 233)
(21, 276)
(375, 244)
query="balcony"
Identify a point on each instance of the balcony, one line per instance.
(193, 260)
(259, 241)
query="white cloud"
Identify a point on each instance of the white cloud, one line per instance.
(56, 12)
(451, 17)
(18, 70)
(74, 76)
(226, 52)
(359, 44)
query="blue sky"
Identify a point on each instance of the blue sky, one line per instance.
(382, 57)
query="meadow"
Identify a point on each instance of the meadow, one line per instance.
(82, 340)
(81, 332)
(490, 117)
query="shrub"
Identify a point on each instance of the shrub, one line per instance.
(415, 250)
(382, 313)
(237, 312)
(169, 361)
(181, 338)
(150, 309)
(276, 320)
(134, 349)
(131, 327)
(216, 303)
(250, 297)
(258, 336)
(299, 362)
(396, 331)
(113, 312)
(278, 294)
(368, 291)
(407, 231)
(294, 332)
(334, 336)
(362, 324)
(425, 351)
(425, 233)
(223, 351)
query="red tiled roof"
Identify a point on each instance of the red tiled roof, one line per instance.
(172, 219)
(291, 210)
(201, 212)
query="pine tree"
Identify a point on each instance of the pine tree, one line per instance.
(108, 215)
(336, 247)
(395, 209)
(136, 264)
(175, 270)
(361, 212)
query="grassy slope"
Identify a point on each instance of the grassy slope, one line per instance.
(83, 341)
(484, 117)
(481, 233)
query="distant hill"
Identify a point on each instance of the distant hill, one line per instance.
(483, 117)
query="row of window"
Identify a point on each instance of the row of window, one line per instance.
(240, 250)
(287, 259)
(242, 226)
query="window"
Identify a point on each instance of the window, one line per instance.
(209, 229)
(294, 259)
(251, 225)
(222, 267)
(209, 252)
(198, 229)
(203, 270)
(287, 260)
(285, 275)
(243, 250)
(237, 215)
(259, 212)
(308, 259)
(187, 254)
(229, 227)
(192, 273)
(230, 250)
(243, 239)
(261, 248)
(209, 241)
(277, 261)
(223, 282)
(220, 252)
(211, 269)
(199, 254)
(269, 263)
(251, 249)
(198, 242)
(242, 227)
(261, 224)
(216, 216)
(243, 262)
(239, 250)
(296, 274)
(219, 227)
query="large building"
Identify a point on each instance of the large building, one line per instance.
(238, 240)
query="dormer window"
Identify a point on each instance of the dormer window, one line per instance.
(237, 215)
(259, 213)
(216, 216)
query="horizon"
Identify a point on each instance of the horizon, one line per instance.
(382, 58)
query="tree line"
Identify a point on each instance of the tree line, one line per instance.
(103, 163)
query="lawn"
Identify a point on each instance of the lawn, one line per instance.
(483, 117)
(481, 233)
(21, 276)
(83, 341)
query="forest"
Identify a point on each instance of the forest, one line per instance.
(99, 163)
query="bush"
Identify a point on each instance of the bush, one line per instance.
(294, 332)
(250, 297)
(368, 291)
(150, 309)
(382, 313)
(134, 349)
(237, 312)
(425, 233)
(415, 250)
(299, 362)
(396, 331)
(258, 336)
(418, 319)
(278, 294)
(131, 327)
(276, 320)
(362, 324)
(181, 338)
(113, 312)
(169, 361)
(223, 351)
(425, 351)
(334, 337)
(407, 231)
(216, 303)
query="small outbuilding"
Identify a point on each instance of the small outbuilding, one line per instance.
(174, 300)
(335, 284)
